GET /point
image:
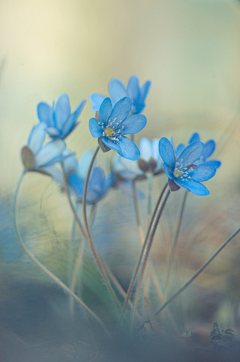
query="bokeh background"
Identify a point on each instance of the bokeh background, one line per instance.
(190, 49)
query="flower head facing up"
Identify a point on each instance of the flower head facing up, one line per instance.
(137, 94)
(209, 148)
(112, 123)
(37, 157)
(117, 91)
(181, 171)
(58, 118)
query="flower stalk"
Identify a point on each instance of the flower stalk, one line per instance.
(88, 232)
(179, 291)
(44, 269)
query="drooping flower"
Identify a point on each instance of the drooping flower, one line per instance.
(112, 124)
(117, 91)
(58, 118)
(209, 148)
(37, 157)
(181, 171)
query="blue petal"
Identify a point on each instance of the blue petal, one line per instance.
(105, 111)
(208, 150)
(195, 187)
(145, 147)
(168, 172)
(194, 138)
(95, 128)
(50, 153)
(71, 122)
(37, 137)
(190, 154)
(121, 109)
(62, 110)
(69, 125)
(77, 184)
(167, 152)
(144, 90)
(97, 179)
(111, 144)
(214, 163)
(117, 90)
(97, 100)
(45, 114)
(202, 173)
(133, 124)
(128, 149)
(179, 149)
(180, 183)
(133, 88)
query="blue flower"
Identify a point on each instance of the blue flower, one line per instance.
(209, 148)
(37, 157)
(98, 185)
(117, 91)
(113, 124)
(181, 171)
(58, 118)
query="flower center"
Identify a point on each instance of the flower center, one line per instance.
(177, 173)
(109, 132)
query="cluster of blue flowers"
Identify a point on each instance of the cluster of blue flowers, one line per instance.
(115, 117)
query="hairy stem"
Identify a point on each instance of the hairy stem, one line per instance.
(141, 254)
(151, 237)
(179, 291)
(44, 269)
(174, 248)
(88, 232)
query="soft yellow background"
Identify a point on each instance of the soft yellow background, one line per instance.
(188, 48)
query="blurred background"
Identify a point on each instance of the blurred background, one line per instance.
(190, 49)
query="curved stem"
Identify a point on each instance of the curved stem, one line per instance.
(70, 201)
(88, 233)
(142, 253)
(75, 272)
(151, 237)
(179, 291)
(44, 269)
(174, 248)
(108, 271)
(152, 270)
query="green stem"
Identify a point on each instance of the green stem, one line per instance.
(179, 291)
(88, 232)
(44, 269)
(141, 255)
(174, 248)
(151, 237)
